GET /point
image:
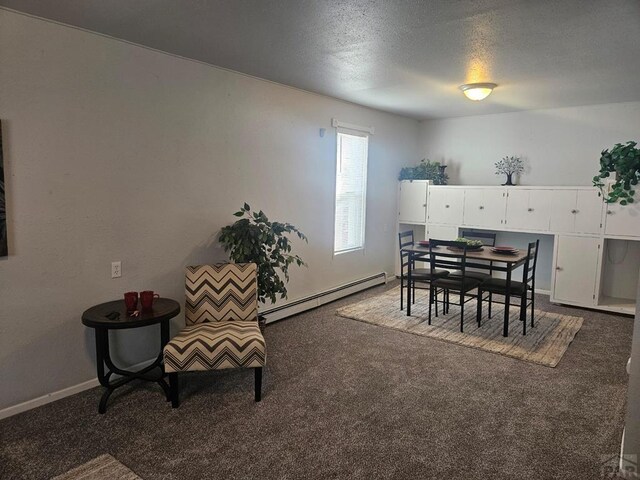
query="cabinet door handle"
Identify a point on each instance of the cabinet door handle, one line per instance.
(574, 211)
(446, 206)
(481, 207)
(609, 212)
(424, 204)
(529, 209)
(559, 269)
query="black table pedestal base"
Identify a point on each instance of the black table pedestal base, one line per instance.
(148, 374)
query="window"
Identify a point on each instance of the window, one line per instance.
(351, 187)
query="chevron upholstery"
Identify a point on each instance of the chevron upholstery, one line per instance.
(215, 346)
(222, 331)
(227, 291)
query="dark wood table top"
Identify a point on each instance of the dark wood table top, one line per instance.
(484, 254)
(113, 315)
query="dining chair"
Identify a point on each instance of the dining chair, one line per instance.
(454, 255)
(418, 275)
(518, 289)
(222, 331)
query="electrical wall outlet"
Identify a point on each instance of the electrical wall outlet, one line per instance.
(116, 269)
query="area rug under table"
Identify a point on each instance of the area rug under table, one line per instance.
(104, 467)
(544, 344)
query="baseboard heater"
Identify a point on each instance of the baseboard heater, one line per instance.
(317, 299)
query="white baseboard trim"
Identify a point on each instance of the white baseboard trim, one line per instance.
(60, 394)
(330, 295)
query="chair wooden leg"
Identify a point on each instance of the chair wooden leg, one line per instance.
(401, 291)
(479, 311)
(174, 388)
(462, 311)
(436, 300)
(430, 302)
(413, 297)
(258, 383)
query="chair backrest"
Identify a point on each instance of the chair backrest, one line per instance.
(529, 273)
(449, 256)
(487, 238)
(405, 239)
(221, 292)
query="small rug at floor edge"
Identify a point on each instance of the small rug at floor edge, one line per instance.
(104, 467)
(545, 344)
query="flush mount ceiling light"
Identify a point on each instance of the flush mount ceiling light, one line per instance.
(477, 91)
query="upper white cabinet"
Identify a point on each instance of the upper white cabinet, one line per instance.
(576, 211)
(622, 220)
(528, 209)
(445, 205)
(413, 201)
(484, 207)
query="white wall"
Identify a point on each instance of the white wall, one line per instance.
(560, 147)
(117, 152)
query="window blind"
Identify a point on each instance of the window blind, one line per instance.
(351, 186)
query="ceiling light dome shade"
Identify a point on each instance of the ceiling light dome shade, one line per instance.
(477, 91)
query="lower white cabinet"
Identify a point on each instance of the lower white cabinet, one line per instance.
(576, 266)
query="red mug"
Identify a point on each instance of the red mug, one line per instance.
(146, 299)
(131, 301)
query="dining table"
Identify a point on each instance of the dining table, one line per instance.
(483, 259)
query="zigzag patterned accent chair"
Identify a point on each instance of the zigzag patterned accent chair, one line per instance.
(221, 316)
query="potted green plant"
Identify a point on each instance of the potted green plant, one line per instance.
(624, 161)
(254, 238)
(425, 170)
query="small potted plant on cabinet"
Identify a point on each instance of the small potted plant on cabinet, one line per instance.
(624, 161)
(425, 170)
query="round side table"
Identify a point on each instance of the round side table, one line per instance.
(114, 316)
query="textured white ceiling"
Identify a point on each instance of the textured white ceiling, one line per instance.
(402, 56)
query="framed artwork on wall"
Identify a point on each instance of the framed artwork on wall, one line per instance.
(3, 211)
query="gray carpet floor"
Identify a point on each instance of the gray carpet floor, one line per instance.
(345, 399)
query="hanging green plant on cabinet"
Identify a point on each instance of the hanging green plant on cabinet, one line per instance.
(624, 162)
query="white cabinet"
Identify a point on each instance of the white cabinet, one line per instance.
(622, 220)
(445, 205)
(576, 211)
(413, 201)
(528, 209)
(484, 207)
(442, 232)
(576, 265)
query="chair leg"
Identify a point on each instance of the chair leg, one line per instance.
(446, 293)
(258, 383)
(479, 311)
(174, 389)
(523, 312)
(401, 291)
(430, 302)
(461, 311)
(490, 302)
(533, 296)
(436, 300)
(413, 297)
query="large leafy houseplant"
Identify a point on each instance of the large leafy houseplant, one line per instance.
(624, 161)
(425, 170)
(255, 239)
